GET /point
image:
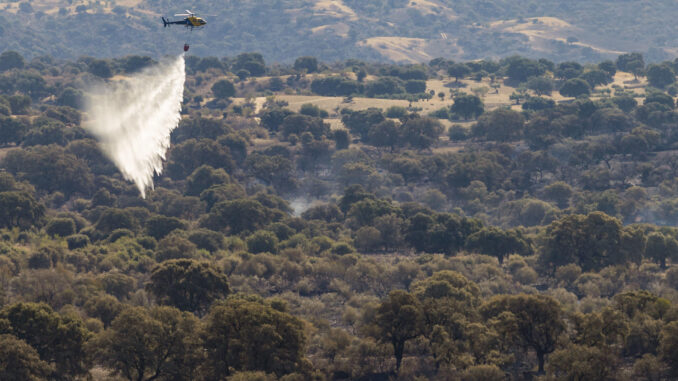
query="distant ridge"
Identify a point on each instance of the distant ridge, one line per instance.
(334, 30)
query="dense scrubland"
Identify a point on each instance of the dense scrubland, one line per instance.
(526, 238)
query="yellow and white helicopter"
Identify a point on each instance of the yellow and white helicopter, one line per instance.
(190, 20)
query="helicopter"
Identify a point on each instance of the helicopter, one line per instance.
(190, 21)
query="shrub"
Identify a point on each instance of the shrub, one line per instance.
(40, 260)
(60, 227)
(483, 373)
(672, 277)
(119, 233)
(77, 241)
(262, 241)
(342, 248)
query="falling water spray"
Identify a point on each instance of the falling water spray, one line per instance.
(132, 119)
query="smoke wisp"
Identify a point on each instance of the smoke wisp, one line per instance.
(132, 119)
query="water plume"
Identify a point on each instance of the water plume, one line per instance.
(132, 119)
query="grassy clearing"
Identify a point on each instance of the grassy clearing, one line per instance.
(493, 97)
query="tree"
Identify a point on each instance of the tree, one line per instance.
(568, 70)
(207, 63)
(398, 319)
(363, 212)
(276, 84)
(237, 144)
(415, 86)
(422, 133)
(342, 139)
(205, 177)
(70, 97)
(207, 240)
(559, 192)
(660, 248)
(297, 124)
(521, 68)
(186, 157)
(144, 345)
(360, 122)
(100, 68)
(368, 239)
(49, 132)
(19, 208)
(104, 307)
(580, 362)
(631, 63)
(223, 89)
(188, 285)
(625, 103)
(275, 170)
(246, 334)
(60, 227)
(529, 321)
(411, 169)
(649, 368)
(458, 70)
(446, 298)
(117, 284)
(31, 84)
(592, 242)
(498, 243)
(25, 7)
(20, 361)
(467, 106)
(661, 98)
(668, 346)
(272, 118)
(242, 74)
(58, 340)
(133, 64)
(310, 64)
(175, 246)
(575, 87)
(12, 130)
(312, 110)
(252, 62)
(384, 86)
(336, 86)
(538, 103)
(262, 241)
(500, 125)
(596, 77)
(11, 60)
(51, 168)
(237, 215)
(540, 85)
(608, 67)
(160, 226)
(112, 218)
(660, 76)
(199, 127)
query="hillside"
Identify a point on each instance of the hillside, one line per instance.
(339, 221)
(333, 30)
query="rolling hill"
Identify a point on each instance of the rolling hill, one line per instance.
(379, 30)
